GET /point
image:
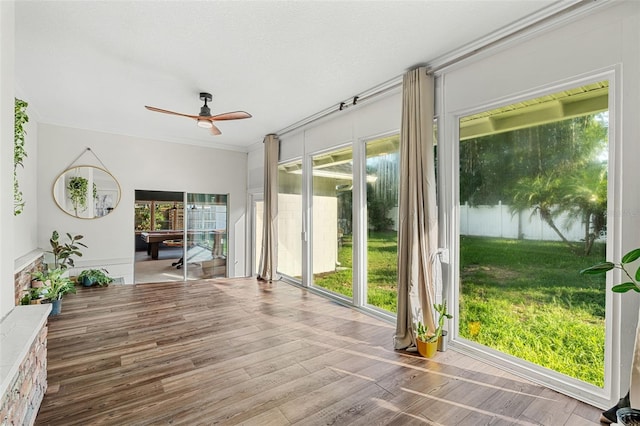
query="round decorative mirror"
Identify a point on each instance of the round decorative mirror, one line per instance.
(87, 192)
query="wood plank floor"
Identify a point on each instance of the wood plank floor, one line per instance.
(237, 351)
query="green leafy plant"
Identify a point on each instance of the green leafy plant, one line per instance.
(39, 276)
(78, 187)
(95, 276)
(601, 268)
(62, 253)
(441, 309)
(32, 294)
(423, 334)
(19, 152)
(57, 285)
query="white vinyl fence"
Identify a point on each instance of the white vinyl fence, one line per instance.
(497, 221)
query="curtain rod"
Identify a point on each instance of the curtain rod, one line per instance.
(442, 63)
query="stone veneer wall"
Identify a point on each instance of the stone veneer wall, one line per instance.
(22, 278)
(21, 401)
(23, 350)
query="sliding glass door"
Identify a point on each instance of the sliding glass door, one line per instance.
(206, 247)
(290, 219)
(354, 209)
(382, 166)
(177, 241)
(332, 237)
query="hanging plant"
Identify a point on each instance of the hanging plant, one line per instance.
(19, 153)
(77, 188)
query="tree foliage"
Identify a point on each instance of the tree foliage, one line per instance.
(552, 169)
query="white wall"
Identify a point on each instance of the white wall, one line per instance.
(7, 254)
(608, 40)
(136, 164)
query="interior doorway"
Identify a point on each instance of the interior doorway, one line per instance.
(179, 236)
(159, 231)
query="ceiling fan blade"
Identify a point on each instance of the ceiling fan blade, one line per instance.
(235, 115)
(164, 111)
(214, 130)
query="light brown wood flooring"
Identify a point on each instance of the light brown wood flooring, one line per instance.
(237, 351)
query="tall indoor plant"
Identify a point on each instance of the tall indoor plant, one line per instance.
(63, 252)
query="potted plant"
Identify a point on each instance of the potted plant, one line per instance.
(62, 253)
(32, 297)
(426, 342)
(38, 279)
(56, 286)
(441, 309)
(77, 187)
(89, 277)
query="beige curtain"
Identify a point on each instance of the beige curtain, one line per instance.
(418, 261)
(269, 254)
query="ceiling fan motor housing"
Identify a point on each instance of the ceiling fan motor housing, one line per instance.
(205, 111)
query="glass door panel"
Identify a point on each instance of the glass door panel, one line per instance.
(290, 219)
(382, 182)
(332, 221)
(206, 249)
(159, 231)
(258, 218)
(533, 203)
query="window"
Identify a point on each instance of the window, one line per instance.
(332, 208)
(533, 202)
(382, 182)
(290, 219)
(158, 215)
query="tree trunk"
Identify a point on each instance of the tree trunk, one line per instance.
(546, 216)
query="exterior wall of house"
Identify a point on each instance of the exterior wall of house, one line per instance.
(136, 164)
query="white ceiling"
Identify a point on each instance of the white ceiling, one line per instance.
(96, 64)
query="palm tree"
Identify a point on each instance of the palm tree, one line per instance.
(543, 194)
(587, 200)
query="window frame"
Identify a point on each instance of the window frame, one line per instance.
(449, 224)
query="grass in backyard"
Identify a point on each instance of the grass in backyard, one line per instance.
(527, 299)
(382, 271)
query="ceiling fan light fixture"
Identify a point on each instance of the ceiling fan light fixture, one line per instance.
(205, 119)
(205, 124)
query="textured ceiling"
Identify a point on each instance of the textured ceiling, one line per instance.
(95, 65)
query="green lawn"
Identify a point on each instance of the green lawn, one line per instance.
(382, 271)
(524, 298)
(527, 299)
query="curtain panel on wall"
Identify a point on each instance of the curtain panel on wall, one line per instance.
(418, 260)
(269, 253)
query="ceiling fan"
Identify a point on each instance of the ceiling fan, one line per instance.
(205, 119)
